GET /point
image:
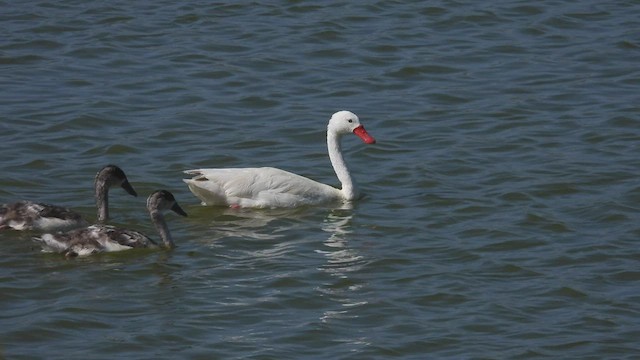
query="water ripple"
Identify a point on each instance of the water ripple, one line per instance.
(500, 202)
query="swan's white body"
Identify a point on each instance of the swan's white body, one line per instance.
(269, 187)
(105, 238)
(265, 187)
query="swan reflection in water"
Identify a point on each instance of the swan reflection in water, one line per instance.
(281, 242)
(342, 262)
(226, 223)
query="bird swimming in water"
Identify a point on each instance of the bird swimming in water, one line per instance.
(105, 238)
(269, 187)
(29, 215)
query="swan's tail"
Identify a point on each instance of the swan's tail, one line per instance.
(193, 173)
(50, 243)
(209, 191)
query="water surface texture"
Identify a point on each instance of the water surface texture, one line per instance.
(501, 215)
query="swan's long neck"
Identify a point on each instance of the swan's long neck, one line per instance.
(161, 226)
(102, 201)
(349, 189)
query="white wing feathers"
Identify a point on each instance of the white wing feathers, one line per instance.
(257, 187)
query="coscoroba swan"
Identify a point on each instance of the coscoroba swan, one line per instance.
(105, 238)
(269, 187)
(28, 215)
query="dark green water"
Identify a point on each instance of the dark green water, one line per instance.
(501, 217)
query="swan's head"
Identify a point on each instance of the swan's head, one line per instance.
(163, 200)
(111, 175)
(344, 122)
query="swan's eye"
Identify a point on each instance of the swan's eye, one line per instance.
(350, 120)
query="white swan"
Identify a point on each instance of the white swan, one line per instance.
(105, 238)
(28, 215)
(269, 187)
